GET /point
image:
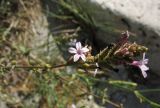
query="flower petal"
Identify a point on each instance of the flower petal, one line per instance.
(83, 57)
(72, 50)
(78, 45)
(85, 49)
(76, 57)
(144, 74)
(136, 63)
(97, 64)
(144, 67)
(145, 61)
(95, 72)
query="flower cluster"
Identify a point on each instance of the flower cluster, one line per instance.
(123, 52)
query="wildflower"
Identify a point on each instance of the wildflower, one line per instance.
(79, 52)
(142, 65)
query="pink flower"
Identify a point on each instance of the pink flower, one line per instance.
(142, 65)
(79, 52)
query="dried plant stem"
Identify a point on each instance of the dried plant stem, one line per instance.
(32, 67)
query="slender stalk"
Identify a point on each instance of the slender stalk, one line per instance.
(31, 67)
(149, 90)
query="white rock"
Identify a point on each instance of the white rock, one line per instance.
(146, 12)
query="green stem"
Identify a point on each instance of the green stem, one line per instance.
(150, 90)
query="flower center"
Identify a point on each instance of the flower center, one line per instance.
(79, 52)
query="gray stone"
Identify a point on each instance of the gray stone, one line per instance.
(3, 104)
(43, 42)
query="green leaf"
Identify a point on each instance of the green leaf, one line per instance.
(123, 84)
(144, 99)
